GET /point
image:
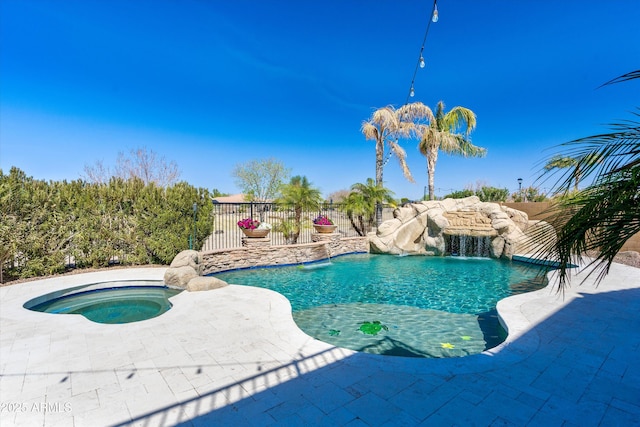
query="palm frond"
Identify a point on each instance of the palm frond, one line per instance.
(450, 143)
(623, 78)
(559, 162)
(467, 149)
(369, 131)
(596, 221)
(429, 139)
(603, 154)
(458, 118)
(416, 112)
(401, 155)
(385, 117)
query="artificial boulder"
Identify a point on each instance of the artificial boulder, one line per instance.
(179, 276)
(185, 272)
(203, 283)
(423, 228)
(188, 258)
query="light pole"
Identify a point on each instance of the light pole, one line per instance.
(520, 187)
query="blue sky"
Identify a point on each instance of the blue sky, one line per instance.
(211, 84)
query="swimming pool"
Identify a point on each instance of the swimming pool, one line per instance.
(408, 306)
(109, 302)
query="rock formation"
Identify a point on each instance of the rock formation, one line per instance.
(425, 228)
(185, 272)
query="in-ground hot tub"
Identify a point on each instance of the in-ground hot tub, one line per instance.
(116, 302)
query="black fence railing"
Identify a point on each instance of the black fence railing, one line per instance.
(226, 233)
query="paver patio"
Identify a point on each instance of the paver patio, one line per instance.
(234, 356)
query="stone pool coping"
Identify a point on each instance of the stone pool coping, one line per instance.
(235, 354)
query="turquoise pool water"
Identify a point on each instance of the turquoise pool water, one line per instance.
(408, 306)
(109, 302)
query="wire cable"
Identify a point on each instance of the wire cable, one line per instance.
(434, 9)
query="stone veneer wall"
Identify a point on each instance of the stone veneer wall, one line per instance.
(258, 252)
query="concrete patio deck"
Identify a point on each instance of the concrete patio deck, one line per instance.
(234, 357)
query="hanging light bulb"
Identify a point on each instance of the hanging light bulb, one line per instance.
(412, 92)
(435, 13)
(421, 62)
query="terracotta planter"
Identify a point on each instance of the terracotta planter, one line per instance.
(256, 232)
(325, 228)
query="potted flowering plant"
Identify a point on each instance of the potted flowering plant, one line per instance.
(323, 224)
(254, 228)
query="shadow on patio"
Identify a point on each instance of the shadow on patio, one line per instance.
(584, 372)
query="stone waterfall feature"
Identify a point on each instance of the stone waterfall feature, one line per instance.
(462, 245)
(466, 227)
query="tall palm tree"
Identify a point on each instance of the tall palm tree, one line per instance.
(603, 216)
(566, 162)
(442, 135)
(361, 204)
(300, 194)
(385, 127)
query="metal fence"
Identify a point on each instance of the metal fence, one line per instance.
(226, 233)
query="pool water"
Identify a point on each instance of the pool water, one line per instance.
(407, 306)
(110, 303)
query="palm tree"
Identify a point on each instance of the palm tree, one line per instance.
(302, 196)
(362, 202)
(602, 217)
(441, 135)
(385, 127)
(566, 162)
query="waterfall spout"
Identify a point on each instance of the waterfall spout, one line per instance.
(469, 246)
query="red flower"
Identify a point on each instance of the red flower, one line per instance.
(322, 220)
(248, 224)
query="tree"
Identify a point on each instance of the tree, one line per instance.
(441, 135)
(460, 194)
(260, 180)
(361, 204)
(217, 193)
(338, 196)
(602, 217)
(141, 164)
(529, 194)
(567, 162)
(164, 220)
(47, 226)
(104, 225)
(35, 231)
(360, 213)
(97, 174)
(12, 215)
(492, 194)
(385, 127)
(301, 196)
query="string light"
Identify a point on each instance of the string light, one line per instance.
(421, 64)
